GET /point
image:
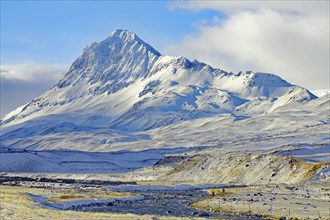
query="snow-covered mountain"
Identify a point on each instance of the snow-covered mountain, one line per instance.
(123, 106)
(125, 84)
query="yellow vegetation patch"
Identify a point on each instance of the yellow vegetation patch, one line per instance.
(72, 195)
(204, 206)
(225, 209)
(222, 191)
(311, 169)
(236, 172)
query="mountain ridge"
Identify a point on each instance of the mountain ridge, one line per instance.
(123, 82)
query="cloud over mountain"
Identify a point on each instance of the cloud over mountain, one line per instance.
(22, 81)
(291, 39)
(32, 71)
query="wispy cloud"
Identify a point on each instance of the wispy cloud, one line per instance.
(33, 71)
(22, 82)
(289, 38)
(316, 7)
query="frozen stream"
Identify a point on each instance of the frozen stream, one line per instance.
(173, 203)
(151, 200)
(161, 200)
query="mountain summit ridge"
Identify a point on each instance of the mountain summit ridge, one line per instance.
(123, 52)
(124, 83)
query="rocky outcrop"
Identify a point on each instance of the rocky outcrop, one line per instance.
(245, 168)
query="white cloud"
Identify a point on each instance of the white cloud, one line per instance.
(32, 71)
(22, 82)
(290, 38)
(229, 7)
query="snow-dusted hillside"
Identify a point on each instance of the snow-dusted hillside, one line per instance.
(121, 94)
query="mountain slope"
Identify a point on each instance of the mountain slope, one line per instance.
(123, 83)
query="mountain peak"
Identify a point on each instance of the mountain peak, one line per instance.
(124, 34)
(118, 60)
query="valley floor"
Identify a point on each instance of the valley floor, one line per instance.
(29, 199)
(17, 204)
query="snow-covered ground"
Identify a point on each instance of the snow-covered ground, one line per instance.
(80, 162)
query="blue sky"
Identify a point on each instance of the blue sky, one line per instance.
(36, 34)
(57, 31)
(40, 39)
